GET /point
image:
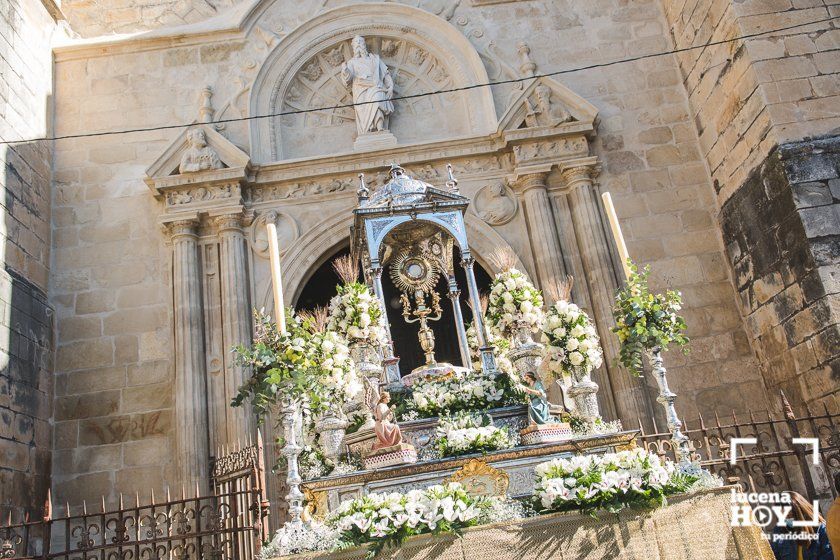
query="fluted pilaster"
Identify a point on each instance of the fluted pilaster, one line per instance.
(236, 314)
(548, 254)
(190, 390)
(628, 391)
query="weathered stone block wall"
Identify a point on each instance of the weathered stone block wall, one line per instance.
(112, 275)
(26, 334)
(749, 99)
(749, 96)
(784, 230)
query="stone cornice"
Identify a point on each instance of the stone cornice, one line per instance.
(229, 26)
(535, 152)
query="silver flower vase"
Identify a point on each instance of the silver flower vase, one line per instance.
(368, 364)
(584, 393)
(526, 354)
(330, 427)
(679, 441)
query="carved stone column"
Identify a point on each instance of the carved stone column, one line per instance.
(236, 319)
(545, 241)
(631, 401)
(190, 390)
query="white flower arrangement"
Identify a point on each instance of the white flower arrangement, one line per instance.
(514, 302)
(458, 390)
(338, 373)
(355, 312)
(469, 433)
(611, 481)
(310, 537)
(572, 345)
(385, 519)
(597, 428)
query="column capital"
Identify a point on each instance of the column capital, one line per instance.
(529, 181)
(575, 175)
(181, 228)
(231, 221)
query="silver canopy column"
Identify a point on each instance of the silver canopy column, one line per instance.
(488, 359)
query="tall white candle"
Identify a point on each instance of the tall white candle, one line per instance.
(276, 279)
(616, 231)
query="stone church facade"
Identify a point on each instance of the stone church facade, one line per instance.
(130, 275)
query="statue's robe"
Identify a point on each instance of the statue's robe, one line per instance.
(371, 84)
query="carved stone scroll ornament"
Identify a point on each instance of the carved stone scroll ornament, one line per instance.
(287, 231)
(496, 203)
(190, 195)
(198, 155)
(562, 147)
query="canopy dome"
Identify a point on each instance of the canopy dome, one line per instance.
(401, 190)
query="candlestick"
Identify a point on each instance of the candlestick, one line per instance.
(276, 279)
(616, 231)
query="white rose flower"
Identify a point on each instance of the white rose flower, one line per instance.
(572, 344)
(575, 358)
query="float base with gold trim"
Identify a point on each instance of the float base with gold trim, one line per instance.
(546, 433)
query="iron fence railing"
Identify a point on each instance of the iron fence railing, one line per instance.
(773, 462)
(230, 523)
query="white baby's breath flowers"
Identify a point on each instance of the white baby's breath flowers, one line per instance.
(290, 539)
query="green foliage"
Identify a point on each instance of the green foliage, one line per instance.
(291, 366)
(645, 320)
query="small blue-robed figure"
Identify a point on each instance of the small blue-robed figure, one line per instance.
(538, 410)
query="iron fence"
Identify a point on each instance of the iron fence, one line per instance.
(773, 462)
(230, 523)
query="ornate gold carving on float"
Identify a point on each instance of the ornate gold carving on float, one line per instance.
(481, 479)
(317, 506)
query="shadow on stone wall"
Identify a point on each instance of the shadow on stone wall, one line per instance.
(781, 229)
(26, 332)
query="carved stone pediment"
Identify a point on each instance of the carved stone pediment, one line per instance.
(199, 154)
(546, 105)
(190, 177)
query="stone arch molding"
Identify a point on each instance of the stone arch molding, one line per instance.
(423, 52)
(310, 250)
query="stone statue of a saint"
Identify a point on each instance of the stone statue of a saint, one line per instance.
(372, 86)
(198, 156)
(387, 431)
(540, 111)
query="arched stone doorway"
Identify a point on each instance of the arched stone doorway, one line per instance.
(320, 287)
